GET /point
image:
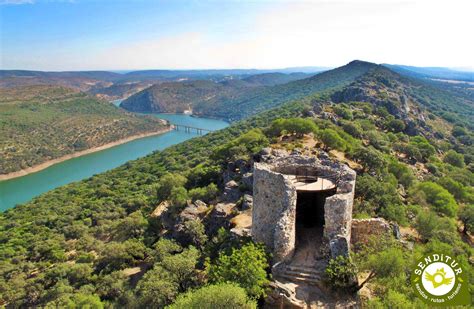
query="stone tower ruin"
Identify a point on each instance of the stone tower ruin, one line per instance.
(303, 208)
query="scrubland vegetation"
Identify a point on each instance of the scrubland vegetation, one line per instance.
(95, 241)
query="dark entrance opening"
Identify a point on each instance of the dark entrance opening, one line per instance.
(310, 224)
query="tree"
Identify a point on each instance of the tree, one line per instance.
(454, 158)
(134, 225)
(431, 194)
(248, 143)
(175, 273)
(167, 183)
(458, 131)
(157, 288)
(178, 196)
(218, 296)
(195, 232)
(112, 286)
(245, 266)
(298, 126)
(332, 140)
(466, 215)
(454, 187)
(371, 158)
(430, 226)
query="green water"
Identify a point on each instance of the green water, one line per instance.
(23, 189)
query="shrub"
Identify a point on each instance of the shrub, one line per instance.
(396, 125)
(353, 129)
(240, 148)
(205, 194)
(431, 194)
(298, 126)
(454, 158)
(402, 172)
(341, 272)
(343, 112)
(332, 140)
(425, 149)
(218, 296)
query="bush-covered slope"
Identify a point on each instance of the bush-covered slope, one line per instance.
(40, 123)
(403, 96)
(130, 238)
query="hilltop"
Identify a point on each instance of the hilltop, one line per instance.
(43, 123)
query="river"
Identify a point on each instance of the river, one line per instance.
(22, 189)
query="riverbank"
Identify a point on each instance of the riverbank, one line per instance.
(49, 163)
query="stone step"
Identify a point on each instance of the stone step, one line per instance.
(312, 281)
(307, 270)
(302, 274)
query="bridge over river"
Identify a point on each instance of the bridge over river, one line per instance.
(190, 129)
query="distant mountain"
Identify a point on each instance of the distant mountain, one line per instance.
(115, 85)
(233, 102)
(432, 72)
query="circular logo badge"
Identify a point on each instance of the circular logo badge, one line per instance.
(439, 280)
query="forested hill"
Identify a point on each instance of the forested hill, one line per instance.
(157, 230)
(41, 123)
(402, 96)
(232, 102)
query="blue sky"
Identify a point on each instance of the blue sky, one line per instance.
(146, 34)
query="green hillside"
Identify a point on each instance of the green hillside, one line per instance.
(40, 123)
(238, 99)
(175, 97)
(137, 236)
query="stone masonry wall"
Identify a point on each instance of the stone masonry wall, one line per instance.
(274, 210)
(364, 229)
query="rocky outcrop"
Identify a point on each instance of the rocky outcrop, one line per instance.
(219, 217)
